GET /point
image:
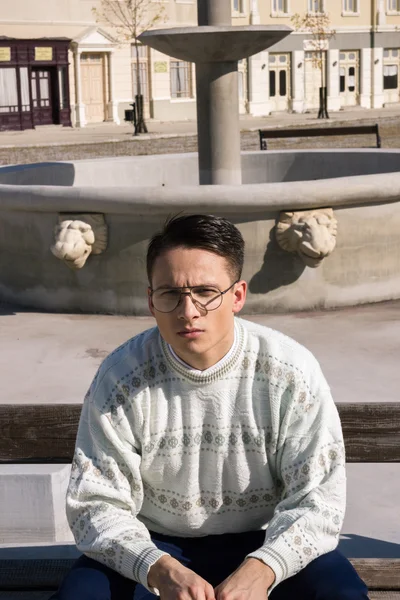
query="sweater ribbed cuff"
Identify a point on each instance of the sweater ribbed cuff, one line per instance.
(143, 564)
(275, 561)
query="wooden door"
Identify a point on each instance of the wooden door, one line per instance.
(349, 78)
(93, 89)
(279, 81)
(391, 84)
(41, 97)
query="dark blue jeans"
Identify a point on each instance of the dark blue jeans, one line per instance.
(215, 557)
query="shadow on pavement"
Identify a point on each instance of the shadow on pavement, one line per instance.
(7, 309)
(358, 546)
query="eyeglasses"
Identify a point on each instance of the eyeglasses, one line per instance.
(204, 297)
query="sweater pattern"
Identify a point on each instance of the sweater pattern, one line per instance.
(254, 444)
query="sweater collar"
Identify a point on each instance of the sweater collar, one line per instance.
(231, 351)
(214, 372)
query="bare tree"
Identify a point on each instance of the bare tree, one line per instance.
(130, 18)
(318, 25)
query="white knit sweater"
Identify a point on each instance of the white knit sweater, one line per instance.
(252, 443)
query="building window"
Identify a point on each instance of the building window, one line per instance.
(181, 79)
(25, 100)
(63, 87)
(350, 6)
(390, 77)
(280, 7)
(237, 6)
(8, 91)
(393, 6)
(316, 6)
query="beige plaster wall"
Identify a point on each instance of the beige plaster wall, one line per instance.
(175, 110)
(122, 64)
(57, 11)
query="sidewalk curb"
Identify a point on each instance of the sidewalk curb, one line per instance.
(287, 124)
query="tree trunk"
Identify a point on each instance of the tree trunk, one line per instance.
(140, 125)
(323, 100)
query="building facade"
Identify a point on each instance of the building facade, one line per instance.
(59, 65)
(360, 62)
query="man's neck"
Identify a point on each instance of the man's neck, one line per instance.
(205, 361)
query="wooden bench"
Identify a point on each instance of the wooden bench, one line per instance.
(318, 131)
(44, 434)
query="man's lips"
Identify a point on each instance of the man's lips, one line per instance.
(190, 333)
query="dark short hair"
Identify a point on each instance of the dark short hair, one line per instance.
(205, 232)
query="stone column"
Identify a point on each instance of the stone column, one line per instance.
(377, 96)
(259, 85)
(333, 82)
(218, 107)
(112, 105)
(80, 119)
(214, 12)
(218, 119)
(365, 78)
(298, 70)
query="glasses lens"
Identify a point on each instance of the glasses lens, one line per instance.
(208, 297)
(166, 300)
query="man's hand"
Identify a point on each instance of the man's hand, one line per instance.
(250, 581)
(176, 582)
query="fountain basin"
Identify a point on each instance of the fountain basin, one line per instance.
(214, 44)
(136, 194)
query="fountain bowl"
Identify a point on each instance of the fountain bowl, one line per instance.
(134, 195)
(214, 44)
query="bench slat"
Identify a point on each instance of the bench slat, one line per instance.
(46, 433)
(38, 433)
(371, 431)
(44, 574)
(379, 573)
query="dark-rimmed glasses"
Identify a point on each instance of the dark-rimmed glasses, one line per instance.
(204, 297)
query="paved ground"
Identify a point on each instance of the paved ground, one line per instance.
(358, 348)
(106, 139)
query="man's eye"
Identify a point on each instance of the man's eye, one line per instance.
(172, 293)
(205, 292)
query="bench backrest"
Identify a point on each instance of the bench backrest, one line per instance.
(39, 433)
(279, 133)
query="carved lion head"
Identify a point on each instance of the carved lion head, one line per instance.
(310, 233)
(73, 242)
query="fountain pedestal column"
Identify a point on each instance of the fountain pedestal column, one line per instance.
(215, 46)
(217, 107)
(218, 118)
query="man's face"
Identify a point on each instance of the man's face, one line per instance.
(199, 337)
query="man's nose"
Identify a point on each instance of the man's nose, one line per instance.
(187, 308)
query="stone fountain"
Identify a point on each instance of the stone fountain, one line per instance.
(216, 47)
(73, 235)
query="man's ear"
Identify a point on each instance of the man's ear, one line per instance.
(149, 302)
(239, 296)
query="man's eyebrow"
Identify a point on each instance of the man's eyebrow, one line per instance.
(174, 287)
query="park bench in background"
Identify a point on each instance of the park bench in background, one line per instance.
(318, 132)
(45, 434)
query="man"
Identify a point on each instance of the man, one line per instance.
(209, 461)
